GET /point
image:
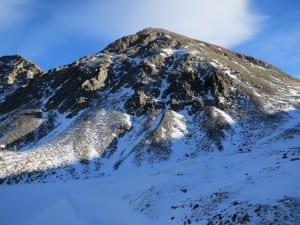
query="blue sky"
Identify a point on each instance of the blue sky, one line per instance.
(56, 32)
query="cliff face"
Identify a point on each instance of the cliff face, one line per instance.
(15, 72)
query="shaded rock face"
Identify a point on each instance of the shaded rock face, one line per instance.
(16, 69)
(154, 77)
(15, 72)
(164, 68)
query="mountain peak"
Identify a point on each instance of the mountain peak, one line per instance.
(148, 74)
(160, 32)
(150, 38)
(148, 30)
(8, 58)
(16, 68)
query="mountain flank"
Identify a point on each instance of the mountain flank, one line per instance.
(192, 132)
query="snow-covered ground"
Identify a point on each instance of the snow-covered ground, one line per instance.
(246, 188)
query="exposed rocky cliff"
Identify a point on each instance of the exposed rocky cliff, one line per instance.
(15, 72)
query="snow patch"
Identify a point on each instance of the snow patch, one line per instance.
(128, 120)
(219, 112)
(178, 126)
(210, 96)
(136, 61)
(177, 52)
(259, 67)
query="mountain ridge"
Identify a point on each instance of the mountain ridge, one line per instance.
(178, 130)
(171, 86)
(164, 71)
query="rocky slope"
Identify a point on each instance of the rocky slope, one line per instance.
(15, 72)
(149, 98)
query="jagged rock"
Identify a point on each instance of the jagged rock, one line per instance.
(15, 74)
(16, 69)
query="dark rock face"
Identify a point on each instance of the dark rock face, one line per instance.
(16, 69)
(15, 73)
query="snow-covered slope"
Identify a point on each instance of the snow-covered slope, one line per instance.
(257, 187)
(178, 130)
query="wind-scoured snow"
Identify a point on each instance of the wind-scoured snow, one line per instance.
(177, 127)
(65, 145)
(195, 190)
(219, 112)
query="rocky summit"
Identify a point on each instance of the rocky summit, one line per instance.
(157, 101)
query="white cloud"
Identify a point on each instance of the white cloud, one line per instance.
(226, 23)
(37, 28)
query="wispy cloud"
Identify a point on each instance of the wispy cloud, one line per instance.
(223, 22)
(226, 23)
(36, 28)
